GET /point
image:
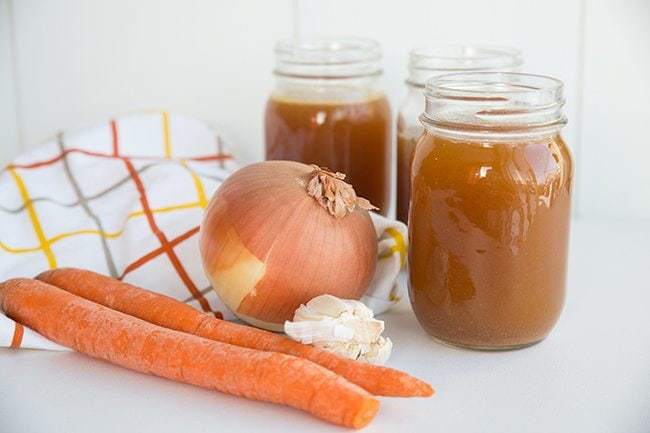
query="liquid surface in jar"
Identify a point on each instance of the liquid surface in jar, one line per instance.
(352, 138)
(489, 226)
(407, 138)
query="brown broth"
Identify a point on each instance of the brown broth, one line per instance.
(489, 226)
(405, 150)
(352, 138)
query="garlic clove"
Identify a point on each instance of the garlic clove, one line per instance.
(347, 350)
(359, 309)
(328, 305)
(375, 353)
(326, 329)
(345, 327)
(364, 331)
(305, 313)
(379, 352)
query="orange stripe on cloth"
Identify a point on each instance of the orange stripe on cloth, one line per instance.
(114, 138)
(158, 251)
(164, 243)
(17, 339)
(50, 161)
(44, 244)
(216, 157)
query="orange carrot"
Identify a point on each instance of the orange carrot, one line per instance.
(124, 340)
(171, 313)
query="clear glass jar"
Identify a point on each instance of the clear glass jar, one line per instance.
(427, 62)
(490, 210)
(327, 109)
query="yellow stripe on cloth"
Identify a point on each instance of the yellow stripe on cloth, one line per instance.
(165, 209)
(118, 233)
(166, 139)
(198, 185)
(105, 235)
(44, 244)
(19, 250)
(399, 246)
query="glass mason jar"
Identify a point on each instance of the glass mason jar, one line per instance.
(490, 208)
(327, 109)
(427, 62)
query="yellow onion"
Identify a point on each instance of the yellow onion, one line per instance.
(278, 233)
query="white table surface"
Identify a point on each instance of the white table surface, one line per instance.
(591, 375)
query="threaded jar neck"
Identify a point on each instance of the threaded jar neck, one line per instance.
(493, 105)
(337, 58)
(430, 61)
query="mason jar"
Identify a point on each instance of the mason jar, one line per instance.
(427, 62)
(490, 210)
(328, 109)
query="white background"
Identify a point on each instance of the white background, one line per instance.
(66, 64)
(69, 63)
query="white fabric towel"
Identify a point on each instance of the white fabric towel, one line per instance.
(125, 198)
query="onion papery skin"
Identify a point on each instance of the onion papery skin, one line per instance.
(267, 246)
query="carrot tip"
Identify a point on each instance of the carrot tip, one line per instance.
(366, 413)
(424, 390)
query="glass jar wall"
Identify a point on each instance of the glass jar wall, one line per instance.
(327, 109)
(490, 209)
(427, 62)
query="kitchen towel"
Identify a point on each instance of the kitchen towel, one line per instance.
(125, 198)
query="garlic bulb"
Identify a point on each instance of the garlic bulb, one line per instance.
(343, 326)
(279, 233)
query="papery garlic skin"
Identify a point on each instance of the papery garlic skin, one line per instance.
(342, 326)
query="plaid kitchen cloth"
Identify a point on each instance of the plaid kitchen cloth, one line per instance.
(125, 198)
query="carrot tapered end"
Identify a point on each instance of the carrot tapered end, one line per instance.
(366, 413)
(420, 388)
(401, 384)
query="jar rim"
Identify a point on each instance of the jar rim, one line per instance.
(503, 103)
(426, 61)
(481, 82)
(327, 57)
